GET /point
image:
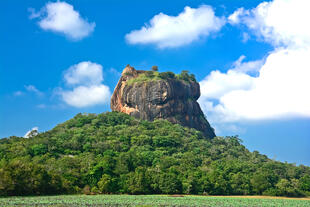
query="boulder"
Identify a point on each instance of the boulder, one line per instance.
(172, 99)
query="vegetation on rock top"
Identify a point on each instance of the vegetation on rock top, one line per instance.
(115, 153)
(154, 75)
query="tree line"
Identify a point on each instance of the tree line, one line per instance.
(114, 153)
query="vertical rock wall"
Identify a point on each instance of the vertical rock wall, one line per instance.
(171, 99)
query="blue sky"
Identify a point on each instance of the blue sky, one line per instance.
(250, 59)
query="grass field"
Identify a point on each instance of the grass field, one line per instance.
(149, 200)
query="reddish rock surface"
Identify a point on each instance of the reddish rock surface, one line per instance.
(171, 99)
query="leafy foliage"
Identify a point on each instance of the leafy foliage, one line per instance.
(154, 68)
(167, 75)
(184, 75)
(154, 75)
(115, 153)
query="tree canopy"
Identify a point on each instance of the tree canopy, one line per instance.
(114, 153)
(154, 75)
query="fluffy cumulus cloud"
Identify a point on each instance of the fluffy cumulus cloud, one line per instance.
(280, 86)
(174, 31)
(218, 84)
(61, 17)
(85, 80)
(280, 22)
(234, 18)
(83, 96)
(86, 73)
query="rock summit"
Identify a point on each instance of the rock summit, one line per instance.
(150, 95)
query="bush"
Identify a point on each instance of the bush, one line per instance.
(167, 75)
(155, 68)
(184, 75)
(86, 190)
(149, 74)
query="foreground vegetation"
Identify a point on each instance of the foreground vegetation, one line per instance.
(146, 200)
(115, 153)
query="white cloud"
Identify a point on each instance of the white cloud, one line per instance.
(174, 31)
(86, 80)
(33, 89)
(250, 66)
(83, 96)
(280, 90)
(217, 84)
(281, 87)
(234, 18)
(280, 22)
(61, 17)
(31, 133)
(86, 73)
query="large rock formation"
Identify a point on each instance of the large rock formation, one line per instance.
(170, 98)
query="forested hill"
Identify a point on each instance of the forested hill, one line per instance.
(115, 153)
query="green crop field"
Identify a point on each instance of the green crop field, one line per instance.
(147, 200)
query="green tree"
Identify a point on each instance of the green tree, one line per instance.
(169, 183)
(260, 183)
(288, 188)
(304, 183)
(167, 75)
(38, 149)
(155, 68)
(114, 153)
(106, 184)
(138, 182)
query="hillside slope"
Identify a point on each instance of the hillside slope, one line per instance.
(115, 153)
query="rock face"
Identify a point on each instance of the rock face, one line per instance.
(171, 99)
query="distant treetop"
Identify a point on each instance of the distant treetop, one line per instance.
(154, 68)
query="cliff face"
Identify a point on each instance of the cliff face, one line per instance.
(171, 99)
